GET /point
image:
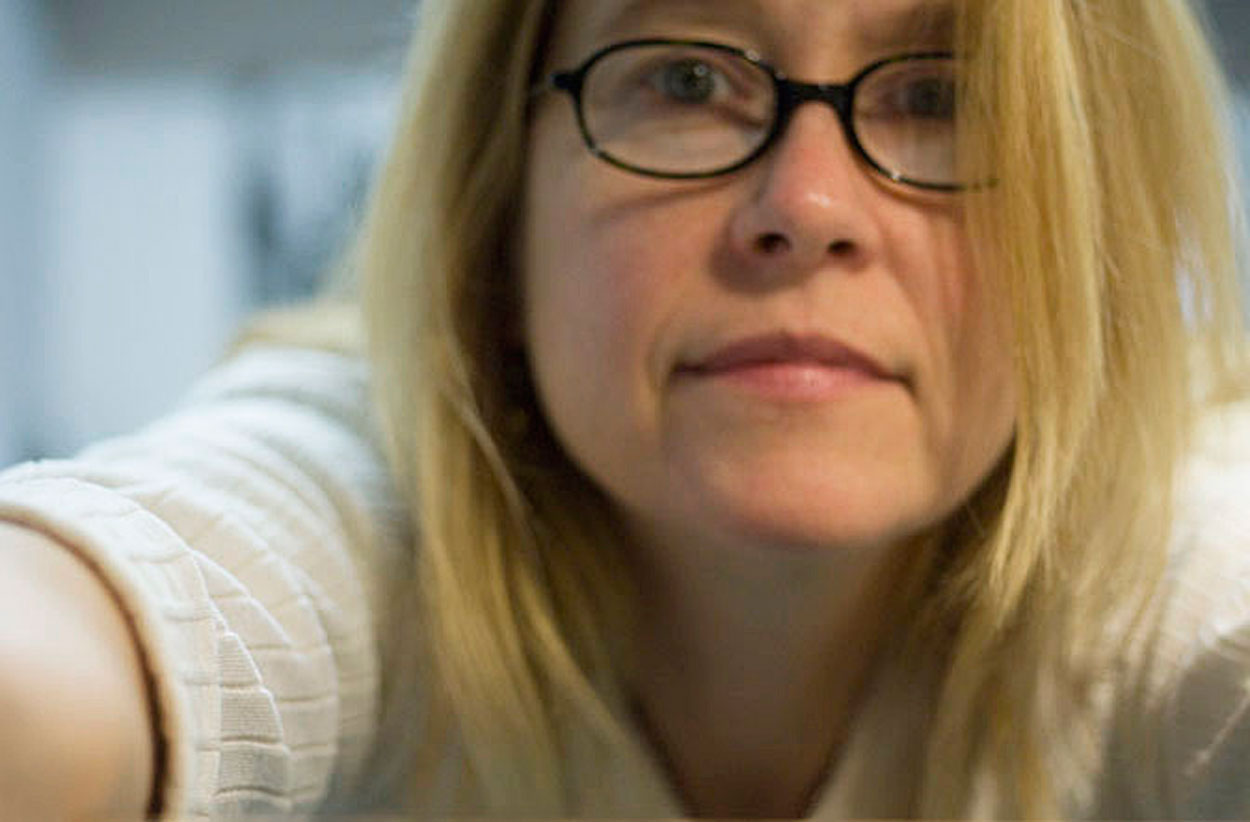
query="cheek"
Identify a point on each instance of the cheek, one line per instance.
(971, 386)
(602, 275)
(988, 380)
(608, 258)
(576, 328)
(568, 316)
(589, 300)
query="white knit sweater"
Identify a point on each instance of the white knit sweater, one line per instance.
(250, 536)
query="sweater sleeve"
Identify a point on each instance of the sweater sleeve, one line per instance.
(248, 538)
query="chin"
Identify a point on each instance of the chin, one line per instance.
(804, 519)
(843, 535)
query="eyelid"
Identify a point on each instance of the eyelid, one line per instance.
(741, 74)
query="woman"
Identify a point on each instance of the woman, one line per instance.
(771, 451)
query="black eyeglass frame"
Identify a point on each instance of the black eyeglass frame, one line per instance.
(788, 96)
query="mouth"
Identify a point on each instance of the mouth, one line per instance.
(787, 366)
(787, 349)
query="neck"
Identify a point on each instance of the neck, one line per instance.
(749, 666)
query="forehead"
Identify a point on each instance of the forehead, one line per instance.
(880, 24)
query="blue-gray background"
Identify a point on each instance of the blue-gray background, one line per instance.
(169, 166)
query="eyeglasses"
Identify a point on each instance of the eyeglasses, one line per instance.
(680, 109)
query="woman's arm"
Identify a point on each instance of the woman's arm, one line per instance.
(74, 707)
(251, 540)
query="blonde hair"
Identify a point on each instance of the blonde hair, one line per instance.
(1112, 230)
(1108, 239)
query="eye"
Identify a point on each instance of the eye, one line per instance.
(912, 90)
(928, 97)
(644, 81)
(689, 80)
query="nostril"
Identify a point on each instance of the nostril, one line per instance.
(841, 248)
(772, 243)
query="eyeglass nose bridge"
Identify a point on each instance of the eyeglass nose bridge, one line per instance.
(839, 96)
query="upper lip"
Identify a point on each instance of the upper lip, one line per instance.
(786, 347)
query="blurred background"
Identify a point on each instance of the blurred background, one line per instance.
(168, 167)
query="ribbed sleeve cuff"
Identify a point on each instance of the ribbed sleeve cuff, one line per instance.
(158, 583)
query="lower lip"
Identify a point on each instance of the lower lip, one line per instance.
(793, 381)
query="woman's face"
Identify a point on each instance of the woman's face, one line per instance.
(797, 354)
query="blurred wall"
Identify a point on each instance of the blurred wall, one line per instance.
(1230, 23)
(144, 270)
(166, 168)
(23, 68)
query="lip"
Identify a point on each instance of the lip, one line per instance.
(786, 349)
(788, 367)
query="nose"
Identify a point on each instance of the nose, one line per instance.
(808, 201)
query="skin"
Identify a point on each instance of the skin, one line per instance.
(78, 743)
(768, 520)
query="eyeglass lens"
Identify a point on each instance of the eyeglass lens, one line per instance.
(693, 110)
